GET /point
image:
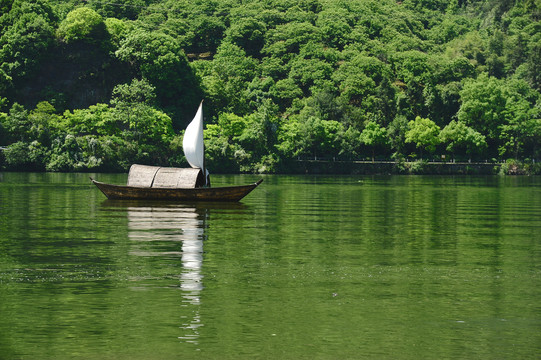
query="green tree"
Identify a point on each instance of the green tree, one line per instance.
(521, 129)
(3, 132)
(5, 6)
(310, 74)
(426, 4)
(138, 92)
(43, 119)
(308, 134)
(128, 9)
(249, 34)
(443, 101)
(415, 70)
(397, 134)
(159, 58)
(533, 62)
(222, 148)
(82, 24)
(483, 106)
(470, 46)
(461, 139)
(452, 7)
(285, 92)
(117, 29)
(365, 84)
(95, 120)
(504, 111)
(134, 105)
(515, 50)
(350, 142)
(206, 33)
(26, 37)
(374, 136)
(259, 135)
(26, 156)
(225, 81)
(286, 40)
(243, 143)
(335, 27)
(16, 124)
(424, 133)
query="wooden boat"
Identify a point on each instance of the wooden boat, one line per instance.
(177, 184)
(227, 193)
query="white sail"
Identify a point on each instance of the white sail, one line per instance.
(194, 149)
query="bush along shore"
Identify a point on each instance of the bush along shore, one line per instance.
(344, 167)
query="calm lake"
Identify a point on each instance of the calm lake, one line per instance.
(305, 267)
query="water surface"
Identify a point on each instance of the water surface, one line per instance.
(306, 267)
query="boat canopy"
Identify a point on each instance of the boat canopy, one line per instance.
(165, 177)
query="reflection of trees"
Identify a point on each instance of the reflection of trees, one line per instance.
(173, 223)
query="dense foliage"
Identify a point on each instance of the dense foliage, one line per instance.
(95, 85)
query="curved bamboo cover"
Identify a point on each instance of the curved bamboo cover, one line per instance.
(165, 177)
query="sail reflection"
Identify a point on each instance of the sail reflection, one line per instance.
(164, 236)
(162, 224)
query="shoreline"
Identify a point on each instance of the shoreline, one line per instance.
(398, 168)
(357, 167)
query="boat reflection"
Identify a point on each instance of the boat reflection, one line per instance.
(155, 228)
(174, 223)
(172, 231)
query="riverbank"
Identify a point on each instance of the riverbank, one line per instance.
(510, 167)
(357, 167)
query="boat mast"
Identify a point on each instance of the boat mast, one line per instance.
(203, 142)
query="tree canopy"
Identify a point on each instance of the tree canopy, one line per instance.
(99, 85)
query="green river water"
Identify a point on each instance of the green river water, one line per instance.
(305, 267)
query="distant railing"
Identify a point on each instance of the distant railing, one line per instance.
(388, 161)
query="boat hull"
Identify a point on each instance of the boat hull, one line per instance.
(228, 193)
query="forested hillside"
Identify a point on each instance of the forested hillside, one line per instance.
(99, 85)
